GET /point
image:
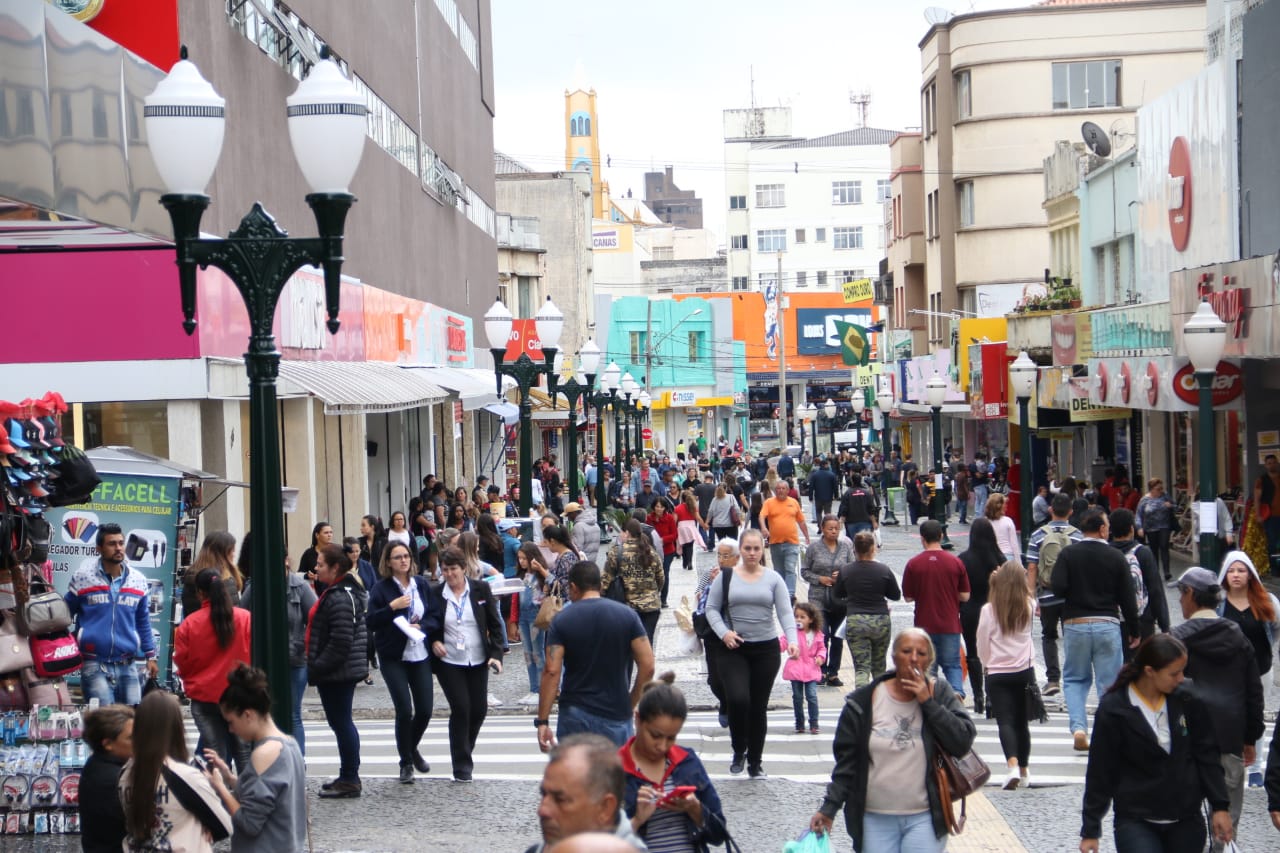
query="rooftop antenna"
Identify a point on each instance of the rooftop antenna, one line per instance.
(935, 15)
(862, 101)
(751, 70)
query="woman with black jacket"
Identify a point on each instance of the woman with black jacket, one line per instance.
(406, 663)
(109, 733)
(1155, 758)
(337, 660)
(981, 559)
(467, 641)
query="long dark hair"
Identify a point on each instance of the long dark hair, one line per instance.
(1156, 651)
(487, 530)
(315, 533)
(983, 544)
(221, 615)
(160, 716)
(337, 558)
(644, 544)
(531, 553)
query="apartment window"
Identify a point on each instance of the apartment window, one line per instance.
(964, 98)
(695, 347)
(964, 203)
(68, 128)
(929, 108)
(822, 278)
(637, 347)
(884, 190)
(802, 279)
(799, 235)
(738, 241)
(771, 240)
(1086, 85)
(850, 275)
(819, 235)
(740, 282)
(737, 202)
(25, 124)
(771, 195)
(527, 296)
(846, 192)
(932, 225)
(846, 237)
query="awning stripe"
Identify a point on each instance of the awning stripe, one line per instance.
(361, 387)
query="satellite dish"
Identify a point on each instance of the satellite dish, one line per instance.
(1096, 138)
(937, 15)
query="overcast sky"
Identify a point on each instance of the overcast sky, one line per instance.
(664, 70)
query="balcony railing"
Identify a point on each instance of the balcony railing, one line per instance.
(1132, 330)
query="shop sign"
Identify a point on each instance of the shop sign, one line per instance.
(524, 339)
(1072, 339)
(1083, 410)
(1228, 383)
(604, 239)
(455, 335)
(858, 290)
(1244, 294)
(989, 381)
(1129, 330)
(683, 397)
(1180, 193)
(816, 329)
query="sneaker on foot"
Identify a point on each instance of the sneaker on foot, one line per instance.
(494, 701)
(815, 730)
(406, 774)
(1011, 779)
(420, 764)
(530, 698)
(1026, 780)
(1080, 742)
(834, 681)
(736, 765)
(755, 771)
(1050, 688)
(799, 730)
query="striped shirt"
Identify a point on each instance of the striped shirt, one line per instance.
(667, 831)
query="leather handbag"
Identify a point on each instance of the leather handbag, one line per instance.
(957, 778)
(46, 691)
(15, 651)
(547, 610)
(1035, 703)
(44, 612)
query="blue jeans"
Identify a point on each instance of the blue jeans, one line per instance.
(947, 647)
(409, 684)
(110, 683)
(298, 681)
(900, 833)
(786, 558)
(802, 691)
(980, 494)
(215, 734)
(852, 530)
(335, 698)
(574, 721)
(963, 507)
(535, 656)
(1091, 655)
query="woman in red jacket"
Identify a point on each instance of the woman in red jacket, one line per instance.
(208, 645)
(664, 522)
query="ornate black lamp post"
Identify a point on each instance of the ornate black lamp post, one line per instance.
(549, 324)
(830, 409)
(602, 399)
(642, 415)
(809, 413)
(1204, 337)
(884, 399)
(936, 391)
(573, 390)
(1022, 375)
(630, 390)
(185, 123)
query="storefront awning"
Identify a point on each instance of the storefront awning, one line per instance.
(509, 412)
(360, 387)
(473, 387)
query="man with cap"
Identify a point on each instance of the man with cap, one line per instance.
(510, 530)
(479, 492)
(646, 497)
(590, 478)
(1223, 671)
(585, 532)
(823, 488)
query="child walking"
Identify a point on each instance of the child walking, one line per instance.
(804, 671)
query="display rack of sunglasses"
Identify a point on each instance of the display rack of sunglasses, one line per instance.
(41, 758)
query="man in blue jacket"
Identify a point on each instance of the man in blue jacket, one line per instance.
(108, 601)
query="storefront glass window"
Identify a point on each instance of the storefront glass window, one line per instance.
(142, 426)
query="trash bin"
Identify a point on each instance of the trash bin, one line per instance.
(897, 503)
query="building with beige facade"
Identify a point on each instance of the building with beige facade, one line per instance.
(999, 90)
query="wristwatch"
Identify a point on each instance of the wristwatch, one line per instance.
(539, 723)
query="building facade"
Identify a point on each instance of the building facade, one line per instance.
(669, 203)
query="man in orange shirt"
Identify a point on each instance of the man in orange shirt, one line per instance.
(782, 521)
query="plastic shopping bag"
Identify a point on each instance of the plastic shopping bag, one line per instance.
(842, 631)
(688, 644)
(810, 842)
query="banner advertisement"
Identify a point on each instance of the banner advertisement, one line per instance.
(146, 508)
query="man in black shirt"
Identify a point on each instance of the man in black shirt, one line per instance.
(1093, 580)
(858, 508)
(823, 488)
(907, 473)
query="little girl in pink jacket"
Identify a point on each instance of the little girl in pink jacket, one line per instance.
(804, 671)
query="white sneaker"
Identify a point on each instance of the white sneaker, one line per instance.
(529, 699)
(494, 701)
(1026, 780)
(1011, 779)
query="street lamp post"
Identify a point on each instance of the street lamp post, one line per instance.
(1205, 336)
(1022, 374)
(809, 413)
(185, 120)
(630, 390)
(884, 400)
(588, 361)
(830, 409)
(859, 404)
(607, 395)
(936, 392)
(549, 323)
(642, 415)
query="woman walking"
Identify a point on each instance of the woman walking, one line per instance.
(749, 662)
(1257, 612)
(656, 766)
(886, 784)
(866, 587)
(721, 513)
(373, 538)
(268, 800)
(820, 567)
(398, 530)
(664, 523)
(534, 573)
(208, 645)
(1154, 758)
(981, 559)
(1005, 530)
(1154, 518)
(406, 664)
(337, 661)
(640, 568)
(217, 552)
(468, 641)
(1004, 644)
(688, 523)
(321, 535)
(168, 804)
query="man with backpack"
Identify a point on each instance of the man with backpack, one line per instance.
(1153, 607)
(1043, 548)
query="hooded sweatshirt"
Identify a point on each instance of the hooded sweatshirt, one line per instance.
(1221, 663)
(1262, 645)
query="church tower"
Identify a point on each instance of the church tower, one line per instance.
(582, 142)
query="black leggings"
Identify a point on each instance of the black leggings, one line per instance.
(969, 613)
(746, 676)
(1158, 542)
(1007, 696)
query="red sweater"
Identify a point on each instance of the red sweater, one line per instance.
(666, 527)
(202, 664)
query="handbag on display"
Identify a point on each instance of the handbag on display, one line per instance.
(76, 480)
(38, 533)
(43, 612)
(13, 695)
(46, 691)
(56, 654)
(15, 651)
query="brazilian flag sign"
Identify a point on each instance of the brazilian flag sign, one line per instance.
(855, 343)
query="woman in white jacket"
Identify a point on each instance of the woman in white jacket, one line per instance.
(1257, 612)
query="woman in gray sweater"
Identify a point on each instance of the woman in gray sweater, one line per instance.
(749, 662)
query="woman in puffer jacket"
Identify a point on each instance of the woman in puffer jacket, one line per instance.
(337, 660)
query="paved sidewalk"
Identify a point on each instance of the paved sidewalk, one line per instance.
(985, 830)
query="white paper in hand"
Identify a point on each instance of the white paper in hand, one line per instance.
(409, 630)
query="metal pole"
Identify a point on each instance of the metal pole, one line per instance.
(782, 360)
(526, 448)
(572, 398)
(618, 459)
(939, 505)
(1208, 474)
(813, 429)
(1025, 431)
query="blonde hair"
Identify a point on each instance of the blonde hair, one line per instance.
(995, 506)
(1008, 597)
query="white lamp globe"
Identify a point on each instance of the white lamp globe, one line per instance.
(611, 380)
(859, 401)
(589, 357)
(885, 399)
(185, 121)
(550, 324)
(829, 408)
(327, 127)
(936, 391)
(497, 325)
(1204, 337)
(1022, 375)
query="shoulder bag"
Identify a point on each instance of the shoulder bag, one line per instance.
(15, 650)
(547, 610)
(44, 611)
(1035, 702)
(957, 778)
(701, 626)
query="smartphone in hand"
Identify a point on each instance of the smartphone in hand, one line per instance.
(675, 794)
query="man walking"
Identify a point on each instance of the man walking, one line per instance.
(1222, 664)
(858, 508)
(109, 603)
(583, 530)
(823, 489)
(593, 643)
(782, 521)
(1043, 548)
(582, 790)
(1093, 580)
(937, 582)
(1156, 613)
